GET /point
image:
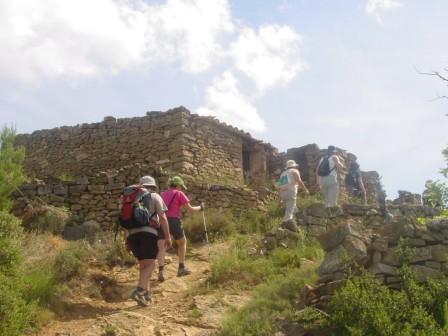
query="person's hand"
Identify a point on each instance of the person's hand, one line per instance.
(202, 206)
(307, 191)
(168, 243)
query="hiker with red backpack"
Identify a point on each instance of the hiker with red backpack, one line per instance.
(176, 199)
(327, 176)
(142, 214)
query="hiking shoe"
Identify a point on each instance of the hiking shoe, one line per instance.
(161, 277)
(148, 297)
(139, 296)
(183, 271)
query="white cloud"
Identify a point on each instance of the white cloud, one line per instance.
(52, 39)
(269, 56)
(224, 101)
(47, 40)
(376, 7)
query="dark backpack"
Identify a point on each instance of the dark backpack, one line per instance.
(133, 214)
(324, 167)
(351, 179)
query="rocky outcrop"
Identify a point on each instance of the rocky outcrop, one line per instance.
(382, 251)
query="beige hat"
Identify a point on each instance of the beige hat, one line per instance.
(148, 181)
(291, 164)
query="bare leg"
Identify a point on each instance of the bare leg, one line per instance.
(162, 252)
(181, 249)
(146, 269)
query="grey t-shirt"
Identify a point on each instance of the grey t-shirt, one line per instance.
(154, 203)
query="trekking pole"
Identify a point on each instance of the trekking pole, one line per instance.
(205, 229)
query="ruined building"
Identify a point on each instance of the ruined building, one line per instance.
(85, 167)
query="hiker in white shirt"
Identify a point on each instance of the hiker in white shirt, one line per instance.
(327, 176)
(289, 183)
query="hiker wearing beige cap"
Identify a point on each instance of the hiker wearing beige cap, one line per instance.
(289, 183)
(141, 239)
(176, 199)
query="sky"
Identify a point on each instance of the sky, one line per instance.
(290, 72)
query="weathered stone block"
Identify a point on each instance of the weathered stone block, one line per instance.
(336, 236)
(439, 253)
(380, 268)
(356, 249)
(60, 190)
(334, 261)
(423, 273)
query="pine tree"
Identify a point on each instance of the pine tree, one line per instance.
(11, 174)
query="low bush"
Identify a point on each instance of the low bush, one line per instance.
(111, 250)
(219, 224)
(48, 218)
(71, 261)
(16, 315)
(273, 301)
(366, 307)
(242, 266)
(10, 256)
(39, 283)
(10, 226)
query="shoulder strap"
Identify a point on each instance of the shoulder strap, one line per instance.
(172, 200)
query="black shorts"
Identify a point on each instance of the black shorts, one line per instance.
(176, 228)
(143, 245)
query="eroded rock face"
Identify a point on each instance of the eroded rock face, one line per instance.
(383, 252)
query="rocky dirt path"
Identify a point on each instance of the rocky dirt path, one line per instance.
(179, 307)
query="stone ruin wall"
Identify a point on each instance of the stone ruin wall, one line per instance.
(308, 158)
(202, 149)
(96, 198)
(356, 234)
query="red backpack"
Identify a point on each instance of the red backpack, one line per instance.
(133, 214)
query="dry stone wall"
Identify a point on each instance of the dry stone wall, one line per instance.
(177, 142)
(358, 235)
(96, 198)
(308, 158)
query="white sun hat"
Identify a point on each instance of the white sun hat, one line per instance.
(148, 181)
(291, 164)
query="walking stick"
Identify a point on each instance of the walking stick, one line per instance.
(206, 233)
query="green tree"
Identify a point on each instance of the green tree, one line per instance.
(436, 193)
(11, 173)
(444, 171)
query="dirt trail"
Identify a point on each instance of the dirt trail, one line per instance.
(176, 310)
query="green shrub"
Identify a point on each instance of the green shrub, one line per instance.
(219, 224)
(71, 262)
(363, 306)
(112, 251)
(11, 159)
(49, 219)
(39, 283)
(241, 265)
(10, 256)
(255, 221)
(10, 226)
(271, 302)
(16, 315)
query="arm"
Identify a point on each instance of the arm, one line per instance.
(299, 182)
(165, 229)
(363, 188)
(190, 208)
(337, 162)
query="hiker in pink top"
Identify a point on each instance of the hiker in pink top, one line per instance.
(175, 200)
